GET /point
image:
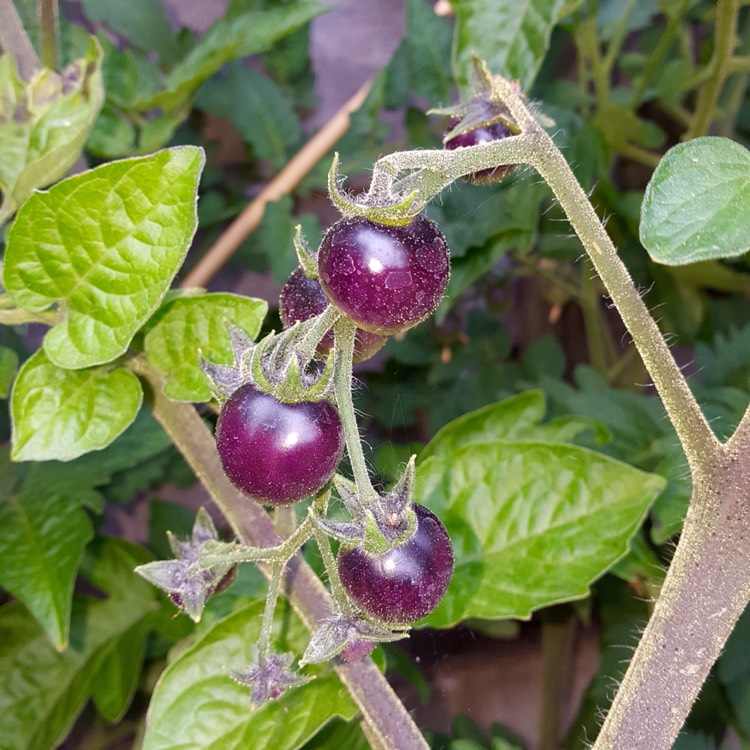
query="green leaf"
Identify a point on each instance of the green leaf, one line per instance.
(511, 36)
(228, 39)
(8, 367)
(143, 22)
(695, 205)
(517, 418)
(44, 124)
(191, 325)
(42, 539)
(42, 691)
(428, 46)
(532, 524)
(105, 246)
(61, 414)
(258, 108)
(197, 706)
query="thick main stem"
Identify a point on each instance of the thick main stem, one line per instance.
(384, 713)
(705, 592)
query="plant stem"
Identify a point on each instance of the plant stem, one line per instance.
(272, 596)
(334, 582)
(381, 709)
(725, 39)
(49, 27)
(345, 332)
(15, 41)
(318, 329)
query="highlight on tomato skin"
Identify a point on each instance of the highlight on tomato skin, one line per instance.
(408, 582)
(303, 298)
(386, 279)
(274, 452)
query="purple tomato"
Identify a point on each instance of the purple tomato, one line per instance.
(406, 583)
(274, 452)
(386, 279)
(484, 134)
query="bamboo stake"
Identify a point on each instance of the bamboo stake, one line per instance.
(284, 182)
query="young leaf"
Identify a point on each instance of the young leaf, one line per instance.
(105, 246)
(230, 38)
(61, 414)
(8, 367)
(512, 37)
(695, 205)
(44, 124)
(192, 325)
(532, 524)
(197, 705)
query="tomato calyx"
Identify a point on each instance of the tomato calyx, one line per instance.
(378, 525)
(276, 365)
(269, 677)
(347, 633)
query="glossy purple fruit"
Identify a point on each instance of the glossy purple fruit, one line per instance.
(407, 583)
(278, 453)
(386, 279)
(302, 298)
(494, 132)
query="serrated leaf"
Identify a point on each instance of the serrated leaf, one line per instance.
(511, 36)
(532, 524)
(44, 124)
(104, 246)
(190, 325)
(695, 205)
(42, 691)
(197, 706)
(230, 38)
(8, 367)
(61, 414)
(42, 538)
(258, 108)
(516, 418)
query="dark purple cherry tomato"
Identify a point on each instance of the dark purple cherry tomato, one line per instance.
(405, 584)
(303, 298)
(386, 279)
(274, 452)
(493, 132)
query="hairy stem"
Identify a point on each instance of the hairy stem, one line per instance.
(49, 29)
(384, 713)
(345, 332)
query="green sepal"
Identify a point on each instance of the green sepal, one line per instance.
(305, 255)
(391, 210)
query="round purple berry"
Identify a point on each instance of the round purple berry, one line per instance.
(274, 452)
(303, 298)
(484, 134)
(406, 583)
(386, 279)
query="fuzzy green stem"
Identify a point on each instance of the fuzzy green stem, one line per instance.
(384, 713)
(272, 596)
(725, 39)
(49, 28)
(15, 41)
(318, 328)
(345, 332)
(329, 561)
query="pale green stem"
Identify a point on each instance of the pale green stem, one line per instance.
(725, 39)
(272, 596)
(317, 330)
(49, 27)
(329, 561)
(16, 316)
(345, 332)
